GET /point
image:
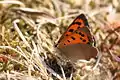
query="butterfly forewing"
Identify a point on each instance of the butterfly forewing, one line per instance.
(78, 23)
(77, 40)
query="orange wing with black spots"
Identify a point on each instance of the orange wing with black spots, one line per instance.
(75, 38)
(77, 42)
(77, 33)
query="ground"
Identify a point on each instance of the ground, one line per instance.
(29, 30)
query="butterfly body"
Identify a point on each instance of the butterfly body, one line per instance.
(77, 42)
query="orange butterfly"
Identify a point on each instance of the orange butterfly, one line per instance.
(77, 42)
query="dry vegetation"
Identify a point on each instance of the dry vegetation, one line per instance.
(30, 28)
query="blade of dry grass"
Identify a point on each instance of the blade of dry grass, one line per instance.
(12, 2)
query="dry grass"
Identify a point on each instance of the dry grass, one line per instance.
(30, 28)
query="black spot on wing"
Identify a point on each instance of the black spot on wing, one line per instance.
(66, 34)
(80, 38)
(73, 38)
(78, 23)
(64, 44)
(84, 40)
(78, 27)
(71, 30)
(81, 34)
(83, 17)
(68, 40)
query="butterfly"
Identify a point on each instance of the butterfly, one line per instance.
(77, 42)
